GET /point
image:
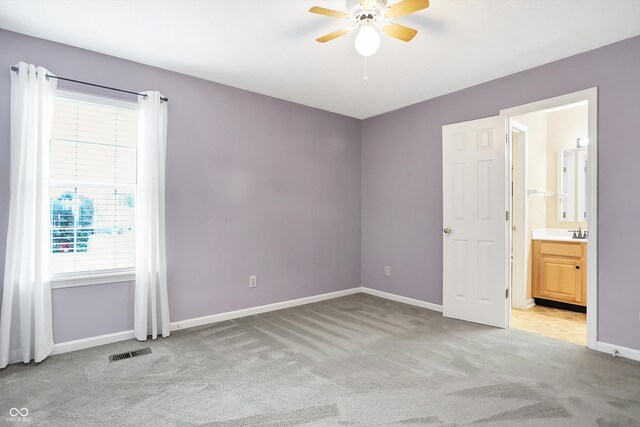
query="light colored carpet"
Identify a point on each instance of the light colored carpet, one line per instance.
(357, 360)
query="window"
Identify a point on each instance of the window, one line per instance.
(93, 189)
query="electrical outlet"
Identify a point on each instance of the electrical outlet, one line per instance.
(387, 270)
(253, 281)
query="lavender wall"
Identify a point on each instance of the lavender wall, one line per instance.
(402, 179)
(255, 185)
(261, 186)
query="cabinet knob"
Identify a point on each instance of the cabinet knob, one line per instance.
(577, 267)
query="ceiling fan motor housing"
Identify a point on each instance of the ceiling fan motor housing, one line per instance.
(375, 8)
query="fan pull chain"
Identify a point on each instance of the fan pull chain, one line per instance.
(365, 77)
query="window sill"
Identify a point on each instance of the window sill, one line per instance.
(92, 279)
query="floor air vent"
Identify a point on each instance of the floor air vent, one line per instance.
(129, 354)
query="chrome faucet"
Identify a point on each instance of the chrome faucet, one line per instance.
(579, 233)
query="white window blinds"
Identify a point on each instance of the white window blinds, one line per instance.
(93, 185)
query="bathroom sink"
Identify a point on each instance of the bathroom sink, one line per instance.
(564, 235)
(560, 238)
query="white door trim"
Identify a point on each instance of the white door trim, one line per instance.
(519, 297)
(591, 95)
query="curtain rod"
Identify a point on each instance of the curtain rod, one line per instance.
(162, 98)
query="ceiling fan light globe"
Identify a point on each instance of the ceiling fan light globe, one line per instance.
(367, 41)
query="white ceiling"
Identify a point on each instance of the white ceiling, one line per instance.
(267, 46)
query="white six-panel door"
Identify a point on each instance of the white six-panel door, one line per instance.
(475, 227)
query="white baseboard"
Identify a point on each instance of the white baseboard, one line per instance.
(84, 343)
(626, 352)
(398, 298)
(526, 305)
(214, 318)
(67, 346)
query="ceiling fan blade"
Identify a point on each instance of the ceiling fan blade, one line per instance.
(406, 7)
(368, 5)
(399, 31)
(335, 34)
(329, 12)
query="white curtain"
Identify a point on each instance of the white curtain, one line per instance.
(151, 314)
(26, 331)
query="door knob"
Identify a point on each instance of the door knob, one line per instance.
(447, 230)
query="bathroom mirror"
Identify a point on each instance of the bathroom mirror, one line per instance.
(572, 185)
(581, 184)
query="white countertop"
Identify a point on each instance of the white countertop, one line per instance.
(558, 234)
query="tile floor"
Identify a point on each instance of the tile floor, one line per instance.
(552, 322)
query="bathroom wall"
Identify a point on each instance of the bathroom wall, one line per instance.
(564, 127)
(536, 166)
(536, 124)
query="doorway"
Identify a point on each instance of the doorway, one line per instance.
(554, 217)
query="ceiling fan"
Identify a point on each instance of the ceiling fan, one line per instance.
(371, 16)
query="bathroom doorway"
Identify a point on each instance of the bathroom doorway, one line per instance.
(553, 169)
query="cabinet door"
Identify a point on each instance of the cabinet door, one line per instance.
(561, 279)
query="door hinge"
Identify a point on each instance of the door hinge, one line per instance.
(507, 294)
(507, 215)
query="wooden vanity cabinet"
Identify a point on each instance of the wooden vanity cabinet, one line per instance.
(559, 271)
